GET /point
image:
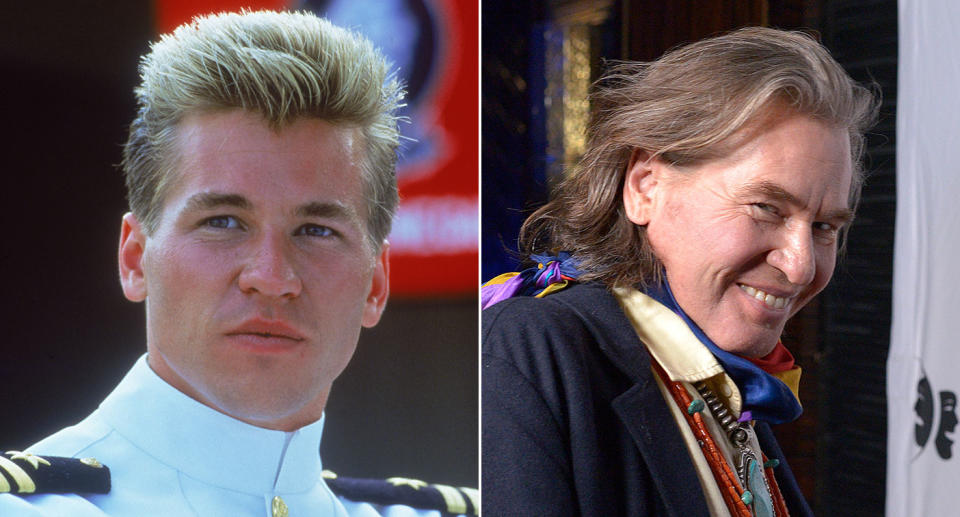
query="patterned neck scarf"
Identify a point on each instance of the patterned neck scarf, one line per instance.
(550, 274)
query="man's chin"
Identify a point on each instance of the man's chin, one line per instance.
(754, 346)
(281, 411)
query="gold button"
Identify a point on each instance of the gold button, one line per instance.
(279, 507)
(91, 462)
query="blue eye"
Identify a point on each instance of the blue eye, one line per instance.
(766, 208)
(824, 227)
(766, 212)
(226, 222)
(315, 230)
(825, 232)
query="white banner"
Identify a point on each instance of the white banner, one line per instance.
(923, 370)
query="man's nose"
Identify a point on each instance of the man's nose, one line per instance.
(795, 256)
(269, 270)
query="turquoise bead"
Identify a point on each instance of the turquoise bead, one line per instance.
(695, 407)
(747, 498)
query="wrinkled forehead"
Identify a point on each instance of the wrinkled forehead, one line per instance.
(749, 139)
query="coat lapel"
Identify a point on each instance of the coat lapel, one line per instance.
(645, 415)
(644, 412)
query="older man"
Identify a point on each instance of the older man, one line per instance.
(706, 211)
(260, 173)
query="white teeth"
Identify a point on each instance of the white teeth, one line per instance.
(770, 300)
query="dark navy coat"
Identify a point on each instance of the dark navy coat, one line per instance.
(573, 421)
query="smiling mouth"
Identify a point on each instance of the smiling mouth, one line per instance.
(774, 302)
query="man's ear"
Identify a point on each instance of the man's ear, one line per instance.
(130, 255)
(640, 185)
(379, 288)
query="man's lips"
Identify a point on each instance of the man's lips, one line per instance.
(267, 329)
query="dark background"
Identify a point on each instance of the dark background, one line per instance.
(407, 404)
(837, 449)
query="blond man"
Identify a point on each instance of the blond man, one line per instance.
(261, 178)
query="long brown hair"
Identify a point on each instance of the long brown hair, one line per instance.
(684, 108)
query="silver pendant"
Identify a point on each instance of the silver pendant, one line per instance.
(747, 463)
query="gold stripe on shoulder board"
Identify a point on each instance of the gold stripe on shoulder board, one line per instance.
(454, 499)
(474, 495)
(19, 475)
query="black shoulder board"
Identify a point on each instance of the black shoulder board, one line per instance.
(24, 473)
(449, 500)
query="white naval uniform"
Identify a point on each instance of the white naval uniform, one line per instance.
(171, 455)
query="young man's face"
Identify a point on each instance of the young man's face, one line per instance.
(259, 274)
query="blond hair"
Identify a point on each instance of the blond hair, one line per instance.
(684, 108)
(282, 65)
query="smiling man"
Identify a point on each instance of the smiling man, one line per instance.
(637, 368)
(261, 178)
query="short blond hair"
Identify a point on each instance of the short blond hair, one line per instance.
(282, 65)
(684, 108)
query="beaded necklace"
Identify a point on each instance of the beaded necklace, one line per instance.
(762, 496)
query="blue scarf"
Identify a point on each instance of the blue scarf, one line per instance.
(765, 397)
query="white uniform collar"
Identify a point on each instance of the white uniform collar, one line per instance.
(204, 443)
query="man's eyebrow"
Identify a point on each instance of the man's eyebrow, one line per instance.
(775, 192)
(211, 200)
(333, 210)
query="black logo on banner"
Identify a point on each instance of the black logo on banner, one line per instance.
(925, 408)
